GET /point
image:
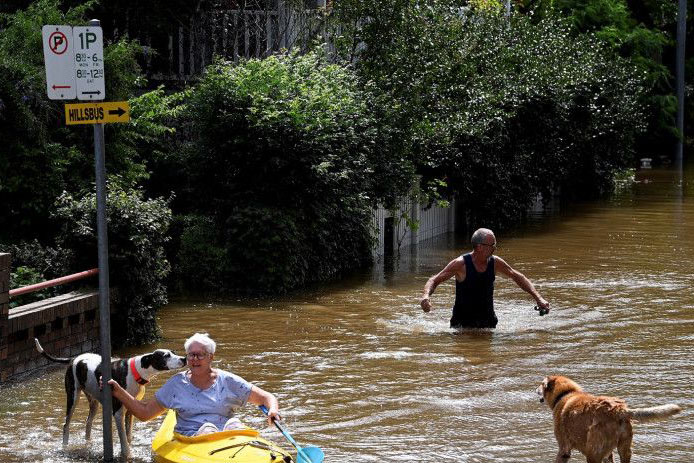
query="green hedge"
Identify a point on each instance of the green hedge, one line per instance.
(499, 109)
(137, 234)
(279, 163)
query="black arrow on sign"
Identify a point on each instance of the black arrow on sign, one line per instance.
(119, 111)
(97, 92)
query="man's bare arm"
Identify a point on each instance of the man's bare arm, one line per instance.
(454, 267)
(521, 280)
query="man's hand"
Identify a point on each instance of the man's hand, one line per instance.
(543, 304)
(426, 304)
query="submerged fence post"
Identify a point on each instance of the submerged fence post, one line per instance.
(681, 38)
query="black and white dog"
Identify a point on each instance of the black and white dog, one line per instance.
(84, 374)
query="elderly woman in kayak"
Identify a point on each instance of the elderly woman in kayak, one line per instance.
(203, 397)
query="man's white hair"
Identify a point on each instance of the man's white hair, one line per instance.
(481, 235)
(201, 338)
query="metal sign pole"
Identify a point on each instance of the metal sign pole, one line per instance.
(104, 307)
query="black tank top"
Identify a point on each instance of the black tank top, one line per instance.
(474, 297)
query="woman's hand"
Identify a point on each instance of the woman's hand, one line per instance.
(273, 415)
(261, 397)
(116, 389)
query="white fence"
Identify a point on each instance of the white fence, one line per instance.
(394, 232)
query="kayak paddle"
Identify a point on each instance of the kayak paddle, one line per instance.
(308, 454)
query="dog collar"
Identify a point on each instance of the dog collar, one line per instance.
(136, 375)
(561, 396)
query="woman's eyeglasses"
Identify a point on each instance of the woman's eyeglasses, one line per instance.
(197, 355)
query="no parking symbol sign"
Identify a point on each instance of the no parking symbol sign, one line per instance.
(58, 54)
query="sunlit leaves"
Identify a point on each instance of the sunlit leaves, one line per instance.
(502, 109)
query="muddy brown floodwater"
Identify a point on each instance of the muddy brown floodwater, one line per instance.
(362, 373)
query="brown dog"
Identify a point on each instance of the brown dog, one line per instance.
(594, 425)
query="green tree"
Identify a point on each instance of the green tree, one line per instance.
(642, 32)
(499, 109)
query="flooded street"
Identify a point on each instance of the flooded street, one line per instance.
(361, 372)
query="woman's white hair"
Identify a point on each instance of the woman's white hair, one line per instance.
(201, 338)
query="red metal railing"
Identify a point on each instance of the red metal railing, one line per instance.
(55, 282)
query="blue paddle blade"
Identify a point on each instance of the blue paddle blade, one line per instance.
(314, 453)
(310, 454)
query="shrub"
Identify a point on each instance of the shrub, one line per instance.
(137, 233)
(285, 159)
(34, 263)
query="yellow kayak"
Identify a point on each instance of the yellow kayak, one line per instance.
(237, 446)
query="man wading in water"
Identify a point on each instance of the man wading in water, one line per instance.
(474, 283)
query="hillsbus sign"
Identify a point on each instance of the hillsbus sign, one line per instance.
(97, 113)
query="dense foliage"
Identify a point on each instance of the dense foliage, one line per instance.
(280, 163)
(271, 167)
(642, 32)
(41, 158)
(138, 231)
(500, 109)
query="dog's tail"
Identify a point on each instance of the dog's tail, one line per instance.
(661, 412)
(48, 356)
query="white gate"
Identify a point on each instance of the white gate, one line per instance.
(394, 233)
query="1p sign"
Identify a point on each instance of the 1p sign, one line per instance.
(59, 57)
(89, 62)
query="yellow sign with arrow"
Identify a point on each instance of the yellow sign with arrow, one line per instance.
(97, 113)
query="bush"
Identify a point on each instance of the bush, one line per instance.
(137, 234)
(282, 160)
(34, 263)
(25, 276)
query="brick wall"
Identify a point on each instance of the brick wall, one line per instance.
(4, 311)
(66, 326)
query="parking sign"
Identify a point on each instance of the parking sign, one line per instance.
(89, 62)
(59, 58)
